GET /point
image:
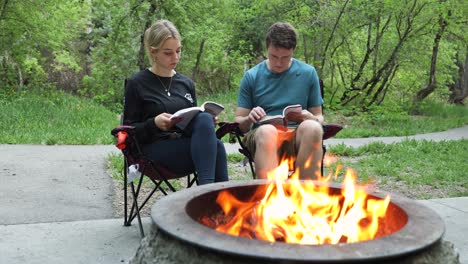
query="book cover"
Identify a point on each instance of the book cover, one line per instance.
(185, 115)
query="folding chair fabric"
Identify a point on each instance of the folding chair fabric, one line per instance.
(126, 141)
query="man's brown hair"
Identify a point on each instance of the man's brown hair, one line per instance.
(281, 35)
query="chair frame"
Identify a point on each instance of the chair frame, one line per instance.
(127, 142)
(233, 129)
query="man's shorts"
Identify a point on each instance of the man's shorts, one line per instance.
(286, 141)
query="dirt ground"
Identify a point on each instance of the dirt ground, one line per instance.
(238, 171)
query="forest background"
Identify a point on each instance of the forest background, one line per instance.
(369, 54)
(390, 68)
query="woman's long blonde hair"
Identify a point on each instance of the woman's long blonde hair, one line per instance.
(159, 32)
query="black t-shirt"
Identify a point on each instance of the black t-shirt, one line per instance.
(146, 97)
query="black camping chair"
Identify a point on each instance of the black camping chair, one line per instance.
(136, 168)
(232, 128)
(135, 163)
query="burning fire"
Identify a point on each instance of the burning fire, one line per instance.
(304, 212)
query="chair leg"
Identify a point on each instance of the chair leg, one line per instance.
(192, 181)
(134, 209)
(248, 155)
(168, 184)
(157, 185)
(254, 176)
(324, 149)
(135, 204)
(126, 223)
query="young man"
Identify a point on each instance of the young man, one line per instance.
(266, 89)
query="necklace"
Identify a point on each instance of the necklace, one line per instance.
(166, 89)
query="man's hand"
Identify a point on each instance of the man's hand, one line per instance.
(256, 114)
(303, 115)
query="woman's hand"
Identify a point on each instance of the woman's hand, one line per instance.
(163, 121)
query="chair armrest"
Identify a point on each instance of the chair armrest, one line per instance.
(330, 130)
(228, 127)
(121, 134)
(117, 129)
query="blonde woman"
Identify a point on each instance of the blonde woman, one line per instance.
(154, 94)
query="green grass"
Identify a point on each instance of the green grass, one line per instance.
(440, 166)
(388, 121)
(116, 165)
(60, 118)
(55, 118)
(382, 122)
(228, 99)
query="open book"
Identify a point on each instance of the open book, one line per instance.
(281, 120)
(187, 114)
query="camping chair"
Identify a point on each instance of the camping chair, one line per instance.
(136, 167)
(232, 128)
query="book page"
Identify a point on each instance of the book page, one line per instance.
(274, 120)
(191, 111)
(212, 108)
(292, 109)
(185, 115)
(281, 120)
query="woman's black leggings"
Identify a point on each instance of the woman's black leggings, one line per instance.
(198, 151)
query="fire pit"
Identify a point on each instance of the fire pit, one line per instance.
(179, 235)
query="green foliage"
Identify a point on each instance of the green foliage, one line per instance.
(227, 98)
(32, 32)
(368, 53)
(34, 71)
(114, 44)
(64, 60)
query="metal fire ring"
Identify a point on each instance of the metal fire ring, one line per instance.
(423, 229)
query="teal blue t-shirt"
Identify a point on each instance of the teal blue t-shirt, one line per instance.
(274, 91)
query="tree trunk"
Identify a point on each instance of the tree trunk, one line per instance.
(306, 53)
(2, 12)
(142, 63)
(426, 91)
(375, 87)
(20, 81)
(459, 90)
(332, 33)
(196, 69)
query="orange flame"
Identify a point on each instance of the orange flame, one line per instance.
(304, 212)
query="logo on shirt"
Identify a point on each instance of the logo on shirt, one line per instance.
(189, 97)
